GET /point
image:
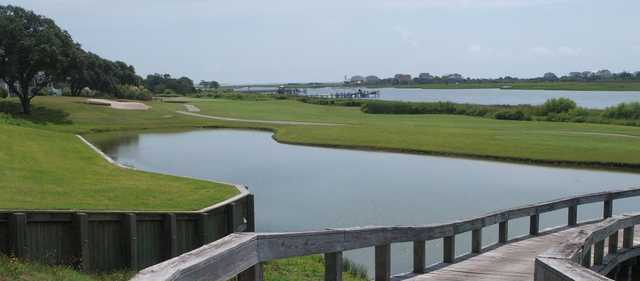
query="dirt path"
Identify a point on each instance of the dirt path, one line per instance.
(277, 122)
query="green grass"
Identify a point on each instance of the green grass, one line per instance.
(560, 86)
(310, 268)
(44, 166)
(590, 144)
(42, 169)
(15, 270)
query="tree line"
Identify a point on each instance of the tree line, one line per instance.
(36, 54)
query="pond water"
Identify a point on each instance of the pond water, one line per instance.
(589, 99)
(309, 188)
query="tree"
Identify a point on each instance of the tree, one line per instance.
(550, 76)
(33, 52)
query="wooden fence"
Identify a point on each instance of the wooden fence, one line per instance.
(243, 253)
(585, 258)
(107, 241)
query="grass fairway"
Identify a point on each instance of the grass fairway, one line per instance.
(549, 142)
(51, 170)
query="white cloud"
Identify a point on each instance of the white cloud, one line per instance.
(562, 51)
(472, 3)
(407, 36)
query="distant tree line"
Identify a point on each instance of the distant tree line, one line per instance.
(426, 78)
(36, 55)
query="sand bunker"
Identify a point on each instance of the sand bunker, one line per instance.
(119, 104)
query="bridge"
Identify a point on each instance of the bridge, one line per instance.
(602, 249)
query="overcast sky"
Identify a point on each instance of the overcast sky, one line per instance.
(257, 41)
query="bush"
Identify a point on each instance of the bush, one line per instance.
(510, 114)
(4, 93)
(133, 93)
(558, 105)
(629, 110)
(391, 107)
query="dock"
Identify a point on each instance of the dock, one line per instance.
(602, 249)
(360, 94)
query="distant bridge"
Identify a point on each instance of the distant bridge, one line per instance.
(588, 251)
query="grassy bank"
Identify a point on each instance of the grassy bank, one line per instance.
(309, 268)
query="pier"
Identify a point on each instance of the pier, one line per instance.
(359, 94)
(603, 249)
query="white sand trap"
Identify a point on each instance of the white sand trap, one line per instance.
(119, 104)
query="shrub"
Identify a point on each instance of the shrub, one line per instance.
(511, 114)
(624, 110)
(133, 93)
(558, 105)
(3, 93)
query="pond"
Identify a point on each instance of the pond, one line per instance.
(309, 188)
(589, 99)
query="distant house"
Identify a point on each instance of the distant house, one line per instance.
(453, 77)
(357, 79)
(425, 76)
(402, 78)
(605, 73)
(371, 79)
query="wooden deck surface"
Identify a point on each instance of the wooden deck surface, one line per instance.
(513, 261)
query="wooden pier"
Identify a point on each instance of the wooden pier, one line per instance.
(348, 95)
(578, 252)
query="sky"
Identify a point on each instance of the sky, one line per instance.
(277, 41)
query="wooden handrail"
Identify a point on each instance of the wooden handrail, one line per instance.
(571, 261)
(206, 263)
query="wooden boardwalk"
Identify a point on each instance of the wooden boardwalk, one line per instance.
(513, 261)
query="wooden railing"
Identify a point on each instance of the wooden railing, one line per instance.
(241, 254)
(584, 257)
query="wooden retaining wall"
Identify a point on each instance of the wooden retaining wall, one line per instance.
(108, 241)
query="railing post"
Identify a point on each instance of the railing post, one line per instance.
(231, 218)
(253, 273)
(613, 243)
(534, 224)
(627, 237)
(608, 209)
(333, 266)
(586, 257)
(81, 227)
(449, 247)
(18, 235)
(131, 240)
(598, 252)
(503, 232)
(419, 256)
(383, 262)
(171, 236)
(573, 215)
(476, 241)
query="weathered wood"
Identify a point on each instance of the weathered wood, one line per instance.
(598, 252)
(503, 232)
(613, 243)
(476, 241)
(449, 249)
(586, 257)
(170, 236)
(383, 262)
(419, 256)
(534, 224)
(572, 215)
(17, 235)
(333, 266)
(607, 211)
(251, 216)
(253, 273)
(81, 230)
(232, 213)
(130, 226)
(627, 237)
(220, 260)
(202, 226)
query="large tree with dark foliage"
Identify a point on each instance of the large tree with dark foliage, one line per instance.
(157, 83)
(33, 52)
(86, 69)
